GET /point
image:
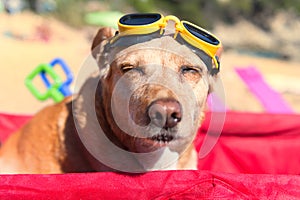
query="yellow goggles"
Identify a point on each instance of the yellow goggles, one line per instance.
(146, 23)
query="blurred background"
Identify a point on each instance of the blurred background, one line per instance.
(260, 38)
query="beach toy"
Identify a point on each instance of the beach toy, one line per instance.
(269, 98)
(52, 91)
(64, 87)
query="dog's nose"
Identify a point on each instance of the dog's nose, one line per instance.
(165, 113)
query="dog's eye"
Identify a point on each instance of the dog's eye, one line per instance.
(191, 73)
(126, 67)
(190, 70)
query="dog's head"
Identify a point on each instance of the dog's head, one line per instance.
(153, 90)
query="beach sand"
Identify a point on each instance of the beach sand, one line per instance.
(28, 40)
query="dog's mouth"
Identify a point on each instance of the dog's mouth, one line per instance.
(162, 138)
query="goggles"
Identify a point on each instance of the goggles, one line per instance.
(147, 23)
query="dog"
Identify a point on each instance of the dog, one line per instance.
(147, 100)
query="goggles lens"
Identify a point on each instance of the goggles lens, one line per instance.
(201, 34)
(139, 19)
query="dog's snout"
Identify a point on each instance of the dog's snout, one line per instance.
(165, 113)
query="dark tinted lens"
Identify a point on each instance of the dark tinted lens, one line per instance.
(201, 34)
(139, 19)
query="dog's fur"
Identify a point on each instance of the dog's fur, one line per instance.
(50, 143)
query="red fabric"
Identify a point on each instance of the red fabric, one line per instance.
(10, 123)
(154, 185)
(254, 143)
(262, 144)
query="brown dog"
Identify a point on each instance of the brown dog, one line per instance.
(148, 99)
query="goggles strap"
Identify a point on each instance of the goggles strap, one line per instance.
(161, 31)
(216, 69)
(175, 35)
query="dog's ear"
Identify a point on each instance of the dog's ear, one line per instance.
(102, 35)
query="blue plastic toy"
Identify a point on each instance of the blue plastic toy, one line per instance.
(64, 88)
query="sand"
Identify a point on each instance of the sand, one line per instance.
(23, 48)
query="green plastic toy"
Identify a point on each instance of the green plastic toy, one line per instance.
(52, 92)
(108, 18)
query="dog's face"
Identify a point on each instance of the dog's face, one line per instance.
(153, 93)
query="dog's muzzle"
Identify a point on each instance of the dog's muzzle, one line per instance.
(165, 114)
